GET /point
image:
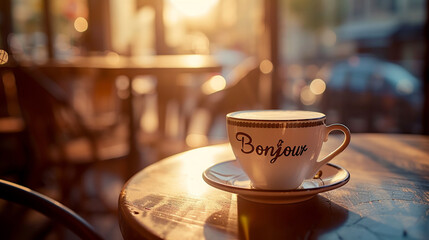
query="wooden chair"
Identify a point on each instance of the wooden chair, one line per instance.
(240, 93)
(15, 157)
(52, 209)
(60, 138)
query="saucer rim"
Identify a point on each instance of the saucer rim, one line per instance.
(275, 193)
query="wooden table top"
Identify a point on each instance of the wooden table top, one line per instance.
(156, 64)
(387, 197)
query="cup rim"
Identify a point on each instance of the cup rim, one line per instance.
(230, 116)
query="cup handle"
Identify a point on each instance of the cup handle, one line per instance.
(329, 129)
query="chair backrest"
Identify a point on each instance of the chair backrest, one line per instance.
(15, 152)
(52, 209)
(9, 106)
(50, 118)
(241, 91)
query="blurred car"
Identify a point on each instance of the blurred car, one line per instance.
(372, 95)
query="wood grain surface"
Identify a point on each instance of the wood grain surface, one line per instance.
(387, 197)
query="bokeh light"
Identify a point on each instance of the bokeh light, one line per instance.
(81, 24)
(318, 86)
(266, 66)
(214, 84)
(307, 97)
(113, 58)
(144, 84)
(4, 57)
(122, 84)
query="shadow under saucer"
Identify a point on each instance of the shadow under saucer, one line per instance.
(304, 220)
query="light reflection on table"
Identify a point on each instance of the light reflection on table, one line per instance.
(386, 197)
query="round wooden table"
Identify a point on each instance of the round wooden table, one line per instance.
(387, 197)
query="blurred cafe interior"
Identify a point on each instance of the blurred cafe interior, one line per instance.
(92, 91)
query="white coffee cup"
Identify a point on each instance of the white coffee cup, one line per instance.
(279, 149)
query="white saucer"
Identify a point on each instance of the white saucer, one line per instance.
(229, 176)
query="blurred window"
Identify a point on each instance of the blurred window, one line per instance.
(231, 30)
(29, 39)
(369, 53)
(68, 21)
(69, 24)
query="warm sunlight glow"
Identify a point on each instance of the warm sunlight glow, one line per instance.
(266, 66)
(198, 125)
(194, 60)
(149, 119)
(196, 140)
(113, 58)
(214, 84)
(122, 83)
(194, 8)
(81, 24)
(4, 57)
(143, 84)
(200, 43)
(195, 185)
(318, 86)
